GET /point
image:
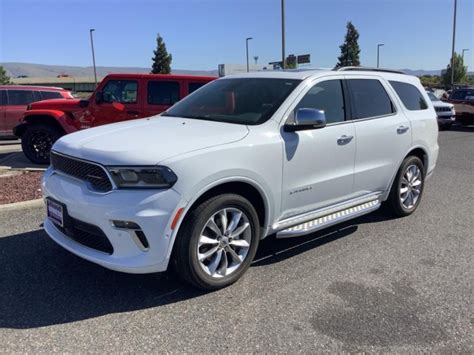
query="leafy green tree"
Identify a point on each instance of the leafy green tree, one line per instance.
(4, 79)
(161, 59)
(350, 48)
(431, 80)
(460, 71)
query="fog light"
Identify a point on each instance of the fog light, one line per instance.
(125, 225)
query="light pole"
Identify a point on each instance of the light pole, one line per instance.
(454, 40)
(378, 52)
(247, 50)
(93, 55)
(283, 64)
(464, 50)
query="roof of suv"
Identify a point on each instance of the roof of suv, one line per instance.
(314, 73)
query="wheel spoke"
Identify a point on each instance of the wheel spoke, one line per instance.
(215, 262)
(416, 183)
(222, 270)
(213, 227)
(208, 253)
(223, 217)
(241, 243)
(206, 240)
(404, 190)
(234, 255)
(234, 222)
(239, 230)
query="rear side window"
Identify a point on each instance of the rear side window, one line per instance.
(3, 97)
(369, 98)
(163, 92)
(46, 95)
(410, 95)
(328, 97)
(194, 86)
(463, 95)
(20, 97)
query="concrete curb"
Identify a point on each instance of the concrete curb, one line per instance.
(21, 205)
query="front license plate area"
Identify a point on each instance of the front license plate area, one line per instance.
(55, 212)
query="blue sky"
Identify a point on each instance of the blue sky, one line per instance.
(200, 34)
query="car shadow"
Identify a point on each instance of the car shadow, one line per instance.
(458, 128)
(17, 160)
(41, 284)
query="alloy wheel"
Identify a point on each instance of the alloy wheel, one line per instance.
(410, 186)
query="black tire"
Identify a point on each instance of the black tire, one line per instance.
(394, 202)
(37, 140)
(185, 254)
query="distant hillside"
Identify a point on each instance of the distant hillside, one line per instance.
(43, 70)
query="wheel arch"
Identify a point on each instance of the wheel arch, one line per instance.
(37, 120)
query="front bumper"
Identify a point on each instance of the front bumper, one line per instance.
(152, 210)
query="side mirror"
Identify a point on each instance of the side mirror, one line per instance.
(99, 97)
(83, 103)
(305, 119)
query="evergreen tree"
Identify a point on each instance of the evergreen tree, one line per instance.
(161, 59)
(350, 48)
(4, 79)
(460, 71)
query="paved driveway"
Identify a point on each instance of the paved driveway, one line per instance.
(375, 284)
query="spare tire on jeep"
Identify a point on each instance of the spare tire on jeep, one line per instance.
(37, 141)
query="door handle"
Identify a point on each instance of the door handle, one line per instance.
(342, 140)
(402, 129)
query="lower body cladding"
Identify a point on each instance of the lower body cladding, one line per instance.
(123, 230)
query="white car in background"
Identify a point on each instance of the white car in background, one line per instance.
(282, 153)
(445, 111)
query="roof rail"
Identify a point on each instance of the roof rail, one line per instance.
(369, 69)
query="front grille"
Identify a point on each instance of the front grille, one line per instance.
(86, 234)
(94, 174)
(442, 109)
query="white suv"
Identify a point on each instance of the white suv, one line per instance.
(242, 158)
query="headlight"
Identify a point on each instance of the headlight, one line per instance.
(144, 177)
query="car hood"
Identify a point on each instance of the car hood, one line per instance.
(442, 104)
(56, 104)
(147, 141)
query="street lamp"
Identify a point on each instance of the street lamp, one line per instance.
(247, 50)
(464, 50)
(378, 52)
(93, 55)
(283, 64)
(454, 40)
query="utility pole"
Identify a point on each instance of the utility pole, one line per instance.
(283, 64)
(247, 50)
(93, 56)
(454, 40)
(378, 52)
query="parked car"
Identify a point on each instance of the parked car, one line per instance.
(445, 111)
(119, 97)
(14, 100)
(463, 101)
(245, 157)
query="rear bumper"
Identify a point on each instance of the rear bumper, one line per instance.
(152, 210)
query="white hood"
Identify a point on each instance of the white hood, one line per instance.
(147, 141)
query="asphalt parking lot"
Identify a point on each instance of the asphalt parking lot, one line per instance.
(375, 284)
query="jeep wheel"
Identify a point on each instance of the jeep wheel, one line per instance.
(407, 188)
(217, 242)
(37, 141)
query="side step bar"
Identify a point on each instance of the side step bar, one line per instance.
(329, 219)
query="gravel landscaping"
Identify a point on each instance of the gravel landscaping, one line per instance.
(20, 186)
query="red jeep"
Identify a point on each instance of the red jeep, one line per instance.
(118, 97)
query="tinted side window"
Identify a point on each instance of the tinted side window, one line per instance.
(163, 92)
(123, 91)
(410, 96)
(194, 86)
(326, 96)
(3, 97)
(20, 97)
(46, 95)
(369, 98)
(458, 95)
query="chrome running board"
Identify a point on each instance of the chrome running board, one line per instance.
(315, 221)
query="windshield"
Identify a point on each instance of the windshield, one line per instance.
(432, 96)
(248, 101)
